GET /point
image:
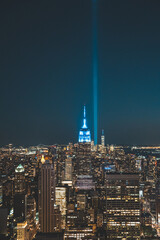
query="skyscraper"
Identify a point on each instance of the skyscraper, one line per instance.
(61, 201)
(68, 168)
(122, 206)
(83, 150)
(84, 133)
(46, 197)
(19, 181)
(20, 198)
(68, 171)
(103, 139)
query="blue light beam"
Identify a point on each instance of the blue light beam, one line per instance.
(95, 69)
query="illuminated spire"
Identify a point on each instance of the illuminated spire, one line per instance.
(84, 111)
(84, 118)
(84, 133)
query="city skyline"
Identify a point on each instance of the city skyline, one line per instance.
(80, 120)
(46, 71)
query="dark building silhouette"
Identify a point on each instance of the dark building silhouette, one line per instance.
(46, 197)
(122, 206)
(20, 198)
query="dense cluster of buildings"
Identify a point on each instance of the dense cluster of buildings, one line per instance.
(79, 191)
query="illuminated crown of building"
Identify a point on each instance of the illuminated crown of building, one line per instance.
(20, 168)
(84, 133)
(43, 159)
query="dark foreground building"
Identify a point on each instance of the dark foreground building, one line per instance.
(122, 206)
(46, 197)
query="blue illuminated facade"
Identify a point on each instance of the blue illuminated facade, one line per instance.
(84, 133)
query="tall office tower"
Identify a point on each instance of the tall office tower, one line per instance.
(82, 166)
(20, 199)
(84, 133)
(68, 169)
(151, 173)
(46, 197)
(102, 147)
(19, 181)
(122, 206)
(103, 139)
(59, 165)
(61, 201)
(83, 159)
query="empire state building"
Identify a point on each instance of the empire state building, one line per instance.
(84, 133)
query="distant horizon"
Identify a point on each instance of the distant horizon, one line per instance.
(61, 144)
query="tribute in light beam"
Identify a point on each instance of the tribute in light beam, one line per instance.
(95, 68)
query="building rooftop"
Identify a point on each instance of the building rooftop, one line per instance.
(20, 168)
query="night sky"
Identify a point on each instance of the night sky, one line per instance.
(46, 70)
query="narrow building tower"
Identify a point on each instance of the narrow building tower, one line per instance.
(46, 197)
(84, 133)
(102, 138)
